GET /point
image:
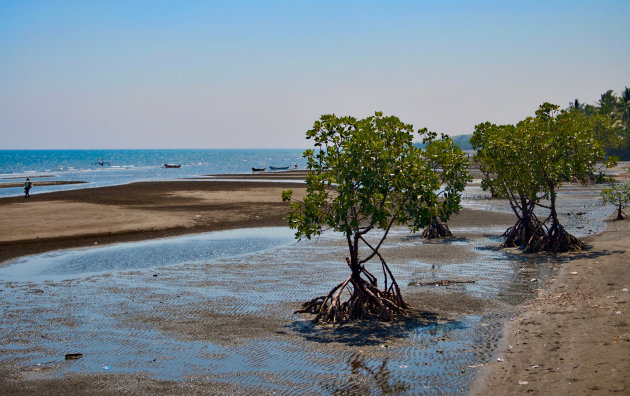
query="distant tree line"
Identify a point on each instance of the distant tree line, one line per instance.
(617, 110)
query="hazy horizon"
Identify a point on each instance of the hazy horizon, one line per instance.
(197, 75)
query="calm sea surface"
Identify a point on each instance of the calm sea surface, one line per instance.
(125, 166)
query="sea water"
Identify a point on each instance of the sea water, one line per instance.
(126, 166)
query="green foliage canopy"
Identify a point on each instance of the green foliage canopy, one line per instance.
(615, 109)
(500, 155)
(528, 162)
(619, 195)
(564, 145)
(451, 164)
(540, 153)
(366, 173)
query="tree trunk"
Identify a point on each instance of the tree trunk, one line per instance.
(527, 230)
(620, 214)
(366, 300)
(557, 239)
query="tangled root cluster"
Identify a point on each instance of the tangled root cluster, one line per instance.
(436, 229)
(533, 236)
(524, 232)
(559, 240)
(366, 302)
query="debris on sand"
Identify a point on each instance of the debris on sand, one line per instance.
(442, 282)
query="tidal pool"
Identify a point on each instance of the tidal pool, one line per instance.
(77, 263)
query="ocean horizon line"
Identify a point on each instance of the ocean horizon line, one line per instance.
(153, 149)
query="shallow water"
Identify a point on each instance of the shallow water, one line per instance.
(61, 265)
(579, 207)
(161, 307)
(131, 308)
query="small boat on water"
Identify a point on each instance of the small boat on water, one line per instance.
(278, 167)
(258, 169)
(172, 165)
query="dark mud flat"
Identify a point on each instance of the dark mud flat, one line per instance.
(221, 323)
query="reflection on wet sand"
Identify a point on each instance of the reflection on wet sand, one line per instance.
(176, 315)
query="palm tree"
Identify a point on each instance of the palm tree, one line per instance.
(576, 105)
(608, 102)
(624, 103)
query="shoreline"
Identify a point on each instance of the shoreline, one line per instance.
(43, 183)
(573, 337)
(574, 300)
(160, 314)
(135, 211)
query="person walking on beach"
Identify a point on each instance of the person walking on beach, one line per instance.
(27, 187)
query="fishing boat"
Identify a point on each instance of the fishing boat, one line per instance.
(258, 169)
(278, 167)
(172, 165)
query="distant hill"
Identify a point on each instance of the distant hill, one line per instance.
(463, 141)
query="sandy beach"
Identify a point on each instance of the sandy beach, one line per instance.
(136, 211)
(572, 338)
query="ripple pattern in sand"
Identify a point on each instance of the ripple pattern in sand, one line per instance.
(229, 319)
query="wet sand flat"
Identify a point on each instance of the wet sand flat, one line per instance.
(230, 321)
(224, 325)
(149, 210)
(135, 211)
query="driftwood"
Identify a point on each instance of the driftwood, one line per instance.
(442, 282)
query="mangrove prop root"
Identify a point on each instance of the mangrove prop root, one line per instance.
(436, 229)
(523, 232)
(620, 214)
(366, 302)
(533, 236)
(561, 241)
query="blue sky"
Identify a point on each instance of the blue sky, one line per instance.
(235, 74)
